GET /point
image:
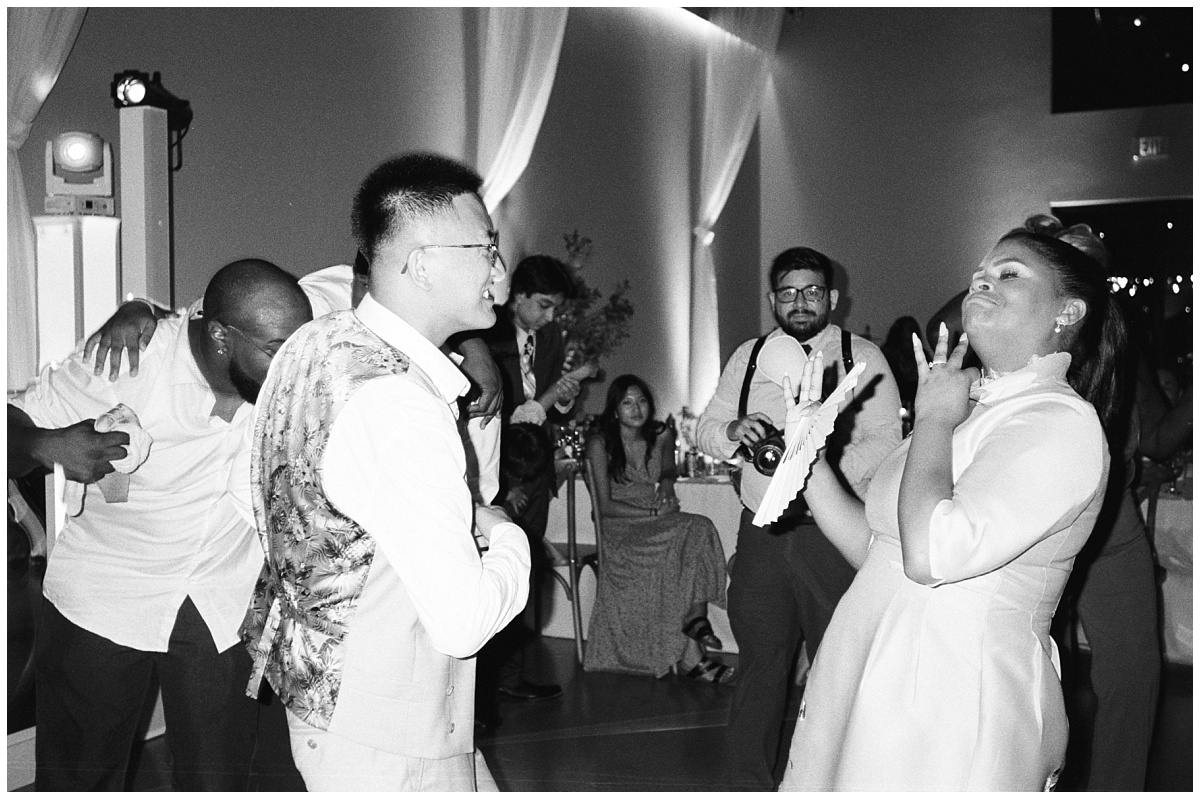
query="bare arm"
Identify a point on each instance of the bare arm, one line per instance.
(480, 366)
(84, 454)
(942, 404)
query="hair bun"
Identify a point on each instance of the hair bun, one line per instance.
(1079, 236)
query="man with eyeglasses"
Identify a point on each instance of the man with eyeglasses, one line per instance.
(376, 595)
(154, 579)
(786, 578)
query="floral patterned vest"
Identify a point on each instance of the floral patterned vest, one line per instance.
(318, 559)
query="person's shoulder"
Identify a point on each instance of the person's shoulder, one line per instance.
(552, 333)
(743, 349)
(170, 339)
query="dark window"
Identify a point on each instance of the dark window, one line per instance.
(1120, 57)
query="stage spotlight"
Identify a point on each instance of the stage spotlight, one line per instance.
(132, 87)
(78, 152)
(79, 175)
(129, 87)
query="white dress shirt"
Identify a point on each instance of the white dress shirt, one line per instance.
(395, 464)
(875, 432)
(122, 570)
(332, 289)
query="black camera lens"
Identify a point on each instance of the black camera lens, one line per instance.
(768, 452)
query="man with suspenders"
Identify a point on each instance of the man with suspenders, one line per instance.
(787, 577)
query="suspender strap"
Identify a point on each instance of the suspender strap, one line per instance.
(751, 368)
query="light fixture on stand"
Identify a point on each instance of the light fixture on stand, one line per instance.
(132, 88)
(79, 175)
(76, 244)
(153, 122)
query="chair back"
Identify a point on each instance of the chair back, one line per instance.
(593, 487)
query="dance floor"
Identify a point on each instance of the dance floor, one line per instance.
(612, 732)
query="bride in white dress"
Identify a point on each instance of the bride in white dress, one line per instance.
(938, 671)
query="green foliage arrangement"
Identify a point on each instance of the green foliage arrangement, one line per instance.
(595, 326)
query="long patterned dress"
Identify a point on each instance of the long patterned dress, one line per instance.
(955, 686)
(654, 570)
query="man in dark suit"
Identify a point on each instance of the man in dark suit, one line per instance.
(529, 350)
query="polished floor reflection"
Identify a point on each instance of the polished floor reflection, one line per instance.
(612, 732)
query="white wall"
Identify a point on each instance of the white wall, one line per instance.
(904, 142)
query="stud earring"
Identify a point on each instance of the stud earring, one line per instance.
(221, 349)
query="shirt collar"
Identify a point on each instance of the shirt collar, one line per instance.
(183, 365)
(449, 381)
(1052, 368)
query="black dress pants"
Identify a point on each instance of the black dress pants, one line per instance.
(785, 582)
(1117, 603)
(501, 661)
(91, 693)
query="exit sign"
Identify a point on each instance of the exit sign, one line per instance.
(1147, 149)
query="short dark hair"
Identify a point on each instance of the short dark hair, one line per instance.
(801, 258)
(542, 274)
(404, 187)
(525, 451)
(234, 292)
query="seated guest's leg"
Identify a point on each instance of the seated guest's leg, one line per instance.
(764, 619)
(210, 720)
(90, 697)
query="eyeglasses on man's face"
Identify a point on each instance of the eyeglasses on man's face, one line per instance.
(489, 251)
(255, 344)
(810, 293)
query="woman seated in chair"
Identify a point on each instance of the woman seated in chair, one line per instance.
(661, 567)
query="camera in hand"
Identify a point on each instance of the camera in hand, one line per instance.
(767, 452)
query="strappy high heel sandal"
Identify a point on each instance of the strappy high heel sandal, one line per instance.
(700, 630)
(709, 670)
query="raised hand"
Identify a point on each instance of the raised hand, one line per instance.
(129, 329)
(808, 402)
(808, 425)
(943, 387)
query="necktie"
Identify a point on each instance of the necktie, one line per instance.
(528, 381)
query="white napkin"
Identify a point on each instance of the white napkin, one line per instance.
(114, 486)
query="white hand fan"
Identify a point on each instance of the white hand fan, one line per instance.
(803, 442)
(781, 356)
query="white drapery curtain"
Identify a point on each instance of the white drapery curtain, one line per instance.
(520, 58)
(39, 41)
(737, 66)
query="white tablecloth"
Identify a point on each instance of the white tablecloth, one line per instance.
(1173, 548)
(709, 496)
